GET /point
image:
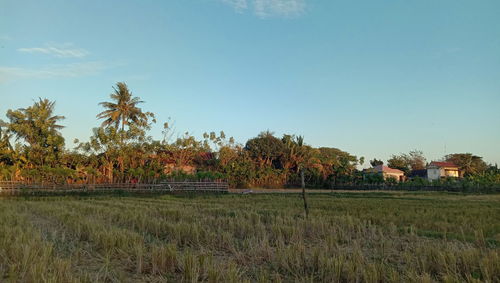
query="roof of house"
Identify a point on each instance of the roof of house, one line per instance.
(443, 164)
(386, 169)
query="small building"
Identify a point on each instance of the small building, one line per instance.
(419, 173)
(387, 172)
(437, 170)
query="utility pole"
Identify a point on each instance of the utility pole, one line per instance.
(304, 196)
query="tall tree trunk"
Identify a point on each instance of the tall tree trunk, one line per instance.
(121, 133)
(110, 171)
(304, 196)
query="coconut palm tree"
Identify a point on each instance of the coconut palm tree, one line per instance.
(35, 121)
(38, 126)
(123, 110)
(469, 164)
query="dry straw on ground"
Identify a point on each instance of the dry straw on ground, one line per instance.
(352, 237)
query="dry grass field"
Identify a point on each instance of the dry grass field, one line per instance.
(348, 237)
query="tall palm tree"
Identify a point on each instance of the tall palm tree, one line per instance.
(123, 110)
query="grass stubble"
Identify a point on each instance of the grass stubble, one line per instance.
(358, 237)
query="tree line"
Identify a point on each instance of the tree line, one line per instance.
(120, 150)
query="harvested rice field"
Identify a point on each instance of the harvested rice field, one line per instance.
(348, 237)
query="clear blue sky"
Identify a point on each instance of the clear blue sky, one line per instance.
(373, 78)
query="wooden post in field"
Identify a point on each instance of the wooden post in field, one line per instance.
(304, 196)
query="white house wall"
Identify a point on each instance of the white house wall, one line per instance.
(437, 173)
(434, 173)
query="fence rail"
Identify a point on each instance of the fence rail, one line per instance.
(7, 187)
(456, 188)
(193, 186)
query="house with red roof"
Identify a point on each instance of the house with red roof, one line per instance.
(437, 170)
(387, 172)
